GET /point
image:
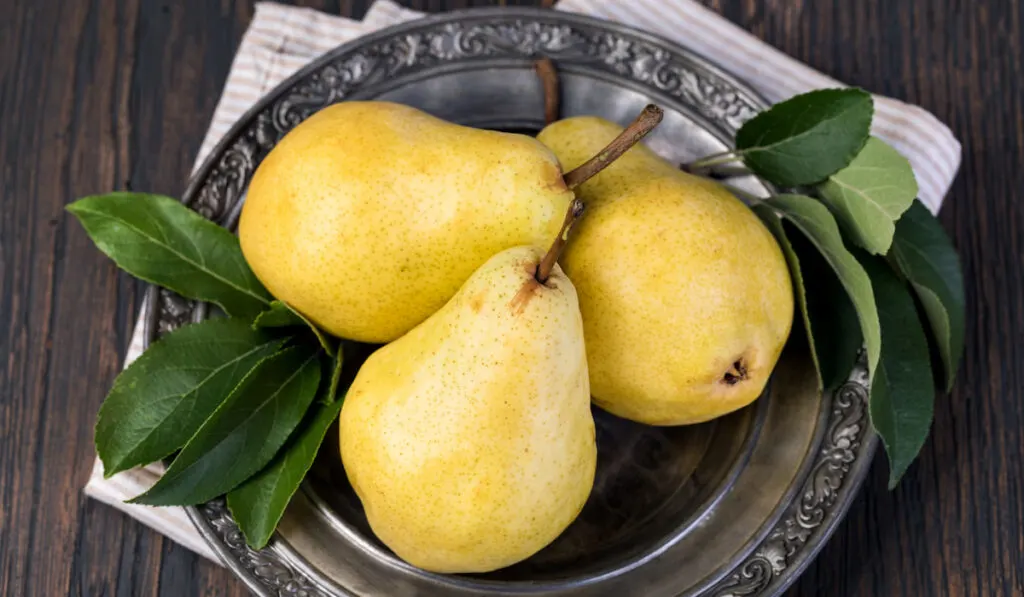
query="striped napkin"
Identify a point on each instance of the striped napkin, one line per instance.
(282, 39)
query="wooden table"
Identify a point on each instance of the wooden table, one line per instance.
(116, 94)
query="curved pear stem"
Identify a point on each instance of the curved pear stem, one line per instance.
(548, 262)
(649, 118)
(549, 79)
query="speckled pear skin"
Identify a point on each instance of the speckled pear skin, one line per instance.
(470, 440)
(369, 216)
(678, 281)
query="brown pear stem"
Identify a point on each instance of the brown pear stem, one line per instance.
(547, 3)
(548, 262)
(549, 79)
(637, 130)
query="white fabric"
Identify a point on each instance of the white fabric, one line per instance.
(282, 39)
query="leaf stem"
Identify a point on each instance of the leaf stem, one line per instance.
(549, 79)
(630, 136)
(726, 157)
(548, 262)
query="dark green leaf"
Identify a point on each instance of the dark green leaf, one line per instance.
(830, 321)
(162, 398)
(816, 223)
(159, 240)
(837, 335)
(258, 504)
(806, 139)
(902, 392)
(870, 194)
(926, 257)
(774, 225)
(243, 434)
(281, 315)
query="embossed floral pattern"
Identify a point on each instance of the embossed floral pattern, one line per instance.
(221, 185)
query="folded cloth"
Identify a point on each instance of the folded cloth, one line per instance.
(282, 39)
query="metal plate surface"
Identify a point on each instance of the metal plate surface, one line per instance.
(737, 506)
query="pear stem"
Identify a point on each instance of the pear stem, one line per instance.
(637, 130)
(551, 257)
(549, 79)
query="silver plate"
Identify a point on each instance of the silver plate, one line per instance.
(738, 506)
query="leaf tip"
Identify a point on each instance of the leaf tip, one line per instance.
(109, 471)
(255, 538)
(895, 476)
(140, 500)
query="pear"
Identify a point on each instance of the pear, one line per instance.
(685, 295)
(368, 216)
(470, 440)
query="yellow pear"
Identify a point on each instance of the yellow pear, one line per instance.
(470, 440)
(685, 295)
(369, 216)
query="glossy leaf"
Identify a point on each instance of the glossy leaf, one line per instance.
(164, 396)
(243, 434)
(281, 315)
(159, 240)
(816, 223)
(902, 391)
(869, 195)
(925, 256)
(774, 224)
(258, 504)
(837, 335)
(830, 321)
(806, 139)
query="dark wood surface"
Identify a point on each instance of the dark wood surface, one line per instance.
(98, 95)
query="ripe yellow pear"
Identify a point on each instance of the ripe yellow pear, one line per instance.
(685, 295)
(470, 440)
(369, 216)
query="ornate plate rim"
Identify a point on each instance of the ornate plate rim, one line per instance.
(776, 557)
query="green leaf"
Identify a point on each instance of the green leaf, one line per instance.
(258, 504)
(159, 240)
(830, 321)
(806, 139)
(816, 223)
(902, 392)
(279, 315)
(282, 315)
(836, 327)
(162, 398)
(774, 224)
(926, 257)
(870, 194)
(243, 434)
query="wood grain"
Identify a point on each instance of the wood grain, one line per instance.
(111, 94)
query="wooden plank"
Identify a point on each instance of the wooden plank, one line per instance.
(105, 94)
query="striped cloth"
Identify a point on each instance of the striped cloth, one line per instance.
(282, 39)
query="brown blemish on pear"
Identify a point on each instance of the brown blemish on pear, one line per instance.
(476, 302)
(554, 179)
(736, 373)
